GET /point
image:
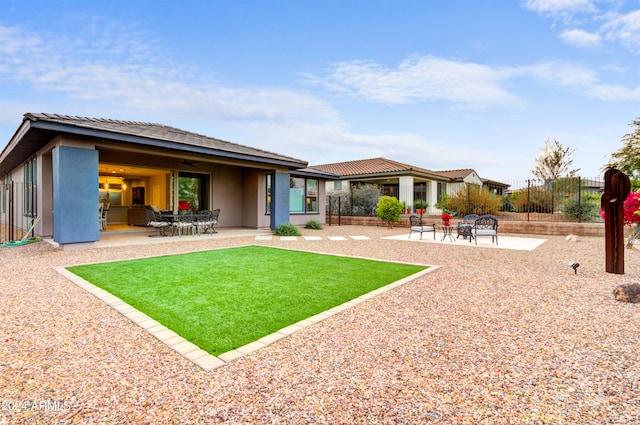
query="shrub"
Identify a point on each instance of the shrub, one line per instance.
(364, 199)
(389, 209)
(287, 229)
(585, 210)
(313, 225)
(472, 200)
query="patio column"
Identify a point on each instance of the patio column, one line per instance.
(432, 197)
(280, 199)
(406, 191)
(75, 195)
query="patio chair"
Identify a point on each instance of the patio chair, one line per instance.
(203, 221)
(160, 224)
(100, 207)
(416, 225)
(184, 222)
(464, 228)
(214, 220)
(485, 225)
(103, 216)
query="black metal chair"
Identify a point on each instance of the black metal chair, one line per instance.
(416, 225)
(184, 222)
(486, 225)
(464, 228)
(214, 219)
(160, 224)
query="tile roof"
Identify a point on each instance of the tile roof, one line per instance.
(159, 132)
(372, 166)
(457, 174)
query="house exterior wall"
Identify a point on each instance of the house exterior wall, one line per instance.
(227, 194)
(473, 178)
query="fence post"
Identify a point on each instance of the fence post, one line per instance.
(340, 210)
(528, 199)
(579, 200)
(11, 212)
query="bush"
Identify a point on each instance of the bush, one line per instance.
(472, 200)
(586, 210)
(389, 209)
(287, 229)
(364, 199)
(313, 225)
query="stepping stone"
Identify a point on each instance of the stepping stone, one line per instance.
(264, 238)
(312, 238)
(337, 238)
(288, 238)
(360, 238)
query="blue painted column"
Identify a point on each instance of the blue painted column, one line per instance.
(280, 199)
(75, 195)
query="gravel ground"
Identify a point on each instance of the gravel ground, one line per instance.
(493, 337)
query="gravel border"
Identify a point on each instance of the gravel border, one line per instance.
(494, 336)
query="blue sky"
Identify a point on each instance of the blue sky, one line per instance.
(440, 84)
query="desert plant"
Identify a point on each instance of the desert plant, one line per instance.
(584, 210)
(287, 229)
(364, 198)
(335, 198)
(473, 200)
(389, 209)
(313, 225)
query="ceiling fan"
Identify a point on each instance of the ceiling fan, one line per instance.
(189, 163)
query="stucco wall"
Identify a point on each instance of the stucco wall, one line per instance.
(516, 227)
(227, 194)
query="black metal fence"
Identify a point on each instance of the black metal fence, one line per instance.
(17, 210)
(571, 199)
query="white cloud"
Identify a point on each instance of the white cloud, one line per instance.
(561, 73)
(422, 79)
(560, 7)
(608, 92)
(624, 29)
(128, 73)
(580, 38)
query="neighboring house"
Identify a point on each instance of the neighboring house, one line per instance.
(467, 176)
(405, 182)
(68, 164)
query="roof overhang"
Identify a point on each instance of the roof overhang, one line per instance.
(32, 136)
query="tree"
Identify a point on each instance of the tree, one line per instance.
(554, 162)
(627, 158)
(389, 209)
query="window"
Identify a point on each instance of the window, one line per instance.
(268, 194)
(29, 200)
(303, 195)
(296, 195)
(442, 190)
(193, 190)
(5, 186)
(312, 195)
(337, 185)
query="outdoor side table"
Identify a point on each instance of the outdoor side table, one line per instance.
(447, 232)
(464, 230)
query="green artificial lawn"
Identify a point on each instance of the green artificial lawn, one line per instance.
(223, 299)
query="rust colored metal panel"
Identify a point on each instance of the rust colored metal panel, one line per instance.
(616, 189)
